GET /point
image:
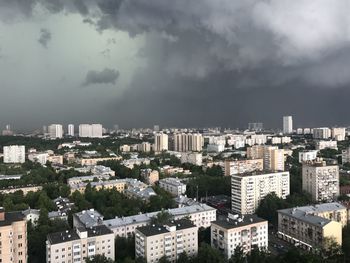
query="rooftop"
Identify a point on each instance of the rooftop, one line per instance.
(304, 216)
(153, 230)
(11, 217)
(235, 221)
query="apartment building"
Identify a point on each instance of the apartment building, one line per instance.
(90, 130)
(247, 231)
(243, 166)
(55, 131)
(173, 186)
(320, 145)
(306, 230)
(95, 161)
(200, 214)
(321, 180)
(156, 241)
(338, 134)
(14, 154)
(192, 158)
(184, 142)
(345, 156)
(272, 156)
(249, 189)
(78, 244)
(307, 156)
(144, 147)
(13, 237)
(287, 124)
(161, 141)
(332, 211)
(322, 133)
(150, 176)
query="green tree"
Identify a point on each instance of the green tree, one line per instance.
(98, 259)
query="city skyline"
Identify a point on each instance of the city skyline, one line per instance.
(145, 63)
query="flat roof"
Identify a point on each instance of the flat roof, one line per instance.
(304, 216)
(11, 217)
(243, 220)
(152, 230)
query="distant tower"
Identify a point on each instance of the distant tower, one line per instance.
(287, 124)
(116, 127)
(156, 128)
(71, 130)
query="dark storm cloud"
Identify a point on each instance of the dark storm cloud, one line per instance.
(45, 37)
(106, 76)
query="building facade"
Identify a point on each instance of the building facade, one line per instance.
(247, 231)
(287, 124)
(321, 180)
(249, 189)
(173, 186)
(243, 166)
(161, 141)
(55, 131)
(14, 154)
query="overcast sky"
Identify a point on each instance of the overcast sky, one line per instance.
(175, 63)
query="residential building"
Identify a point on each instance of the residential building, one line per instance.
(71, 130)
(150, 176)
(322, 133)
(243, 166)
(184, 142)
(31, 215)
(255, 126)
(307, 156)
(192, 158)
(273, 159)
(13, 236)
(338, 134)
(306, 230)
(246, 231)
(200, 214)
(55, 131)
(320, 145)
(144, 147)
(160, 142)
(173, 186)
(287, 124)
(95, 161)
(321, 180)
(80, 243)
(153, 242)
(249, 189)
(14, 154)
(345, 157)
(90, 130)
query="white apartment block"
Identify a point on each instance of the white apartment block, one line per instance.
(306, 156)
(248, 232)
(76, 245)
(287, 124)
(243, 166)
(281, 140)
(55, 131)
(320, 145)
(338, 134)
(90, 130)
(306, 230)
(345, 156)
(200, 214)
(144, 147)
(321, 180)
(156, 241)
(38, 157)
(249, 189)
(184, 142)
(161, 142)
(173, 186)
(192, 158)
(71, 130)
(14, 154)
(322, 133)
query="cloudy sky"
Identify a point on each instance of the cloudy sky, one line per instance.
(175, 63)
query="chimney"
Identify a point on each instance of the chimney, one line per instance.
(2, 214)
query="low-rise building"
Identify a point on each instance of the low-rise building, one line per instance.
(173, 186)
(247, 231)
(307, 156)
(153, 242)
(320, 145)
(78, 244)
(306, 230)
(150, 176)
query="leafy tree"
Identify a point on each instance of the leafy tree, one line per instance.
(98, 259)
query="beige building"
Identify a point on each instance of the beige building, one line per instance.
(184, 142)
(95, 161)
(156, 241)
(247, 231)
(150, 176)
(249, 189)
(306, 230)
(161, 142)
(13, 237)
(320, 145)
(144, 147)
(25, 190)
(56, 159)
(76, 245)
(321, 180)
(322, 133)
(243, 166)
(272, 156)
(338, 134)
